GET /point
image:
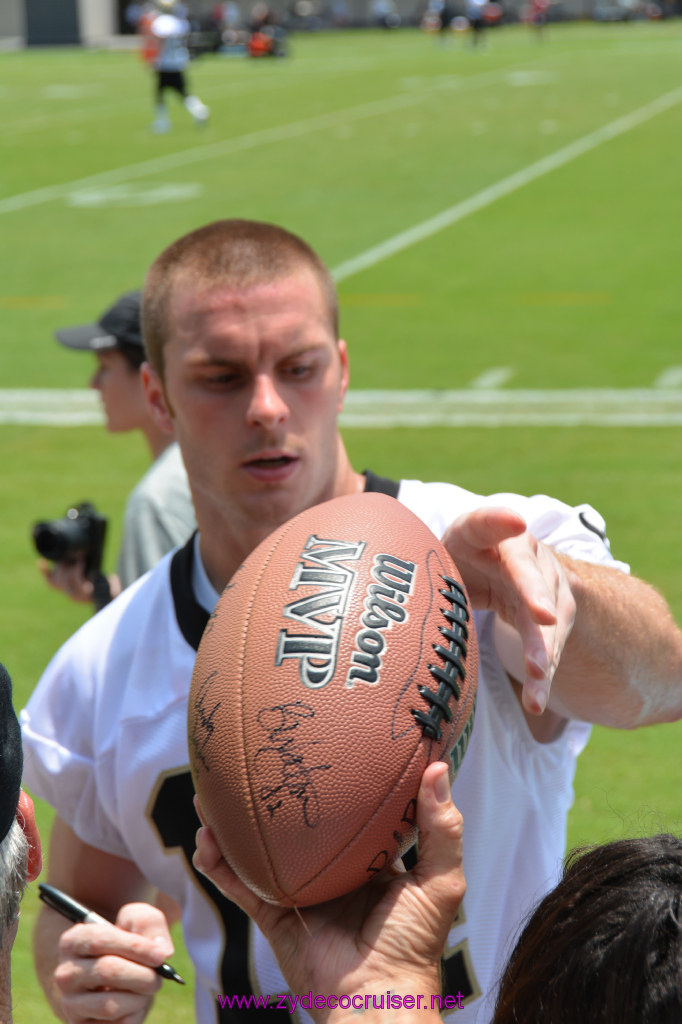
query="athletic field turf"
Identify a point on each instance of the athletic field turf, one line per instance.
(504, 225)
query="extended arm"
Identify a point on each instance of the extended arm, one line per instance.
(584, 640)
(622, 663)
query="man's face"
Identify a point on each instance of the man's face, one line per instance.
(120, 389)
(254, 381)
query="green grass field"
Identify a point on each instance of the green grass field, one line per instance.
(569, 280)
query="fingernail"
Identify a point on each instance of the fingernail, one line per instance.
(442, 787)
(538, 698)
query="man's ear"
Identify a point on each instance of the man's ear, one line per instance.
(157, 400)
(26, 817)
(345, 372)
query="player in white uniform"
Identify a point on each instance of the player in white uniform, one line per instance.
(170, 30)
(251, 377)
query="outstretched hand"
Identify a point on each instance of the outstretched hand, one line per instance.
(387, 935)
(507, 570)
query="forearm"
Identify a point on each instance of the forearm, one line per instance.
(622, 664)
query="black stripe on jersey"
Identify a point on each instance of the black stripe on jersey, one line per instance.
(192, 618)
(177, 823)
(591, 526)
(381, 483)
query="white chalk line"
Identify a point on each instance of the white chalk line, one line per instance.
(669, 378)
(73, 117)
(599, 407)
(241, 143)
(495, 377)
(398, 243)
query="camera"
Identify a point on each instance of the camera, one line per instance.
(81, 532)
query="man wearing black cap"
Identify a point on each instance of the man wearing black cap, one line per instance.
(20, 852)
(159, 513)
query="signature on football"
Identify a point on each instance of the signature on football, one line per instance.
(284, 755)
(204, 710)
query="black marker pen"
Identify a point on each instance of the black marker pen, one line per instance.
(76, 912)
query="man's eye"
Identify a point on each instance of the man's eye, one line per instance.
(226, 379)
(299, 370)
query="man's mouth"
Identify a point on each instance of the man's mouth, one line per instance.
(271, 466)
(272, 461)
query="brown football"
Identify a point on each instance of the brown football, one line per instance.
(340, 660)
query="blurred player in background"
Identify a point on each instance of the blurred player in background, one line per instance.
(475, 12)
(159, 514)
(168, 53)
(539, 10)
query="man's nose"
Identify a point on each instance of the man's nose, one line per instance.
(267, 407)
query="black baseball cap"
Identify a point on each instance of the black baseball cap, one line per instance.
(118, 327)
(11, 756)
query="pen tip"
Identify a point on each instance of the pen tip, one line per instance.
(166, 971)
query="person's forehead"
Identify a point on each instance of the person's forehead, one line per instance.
(296, 294)
(109, 355)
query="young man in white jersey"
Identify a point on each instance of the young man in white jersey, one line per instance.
(247, 368)
(169, 31)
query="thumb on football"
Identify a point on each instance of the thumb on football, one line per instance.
(439, 871)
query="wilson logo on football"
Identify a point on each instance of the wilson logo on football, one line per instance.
(384, 605)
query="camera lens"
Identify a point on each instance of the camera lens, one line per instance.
(59, 539)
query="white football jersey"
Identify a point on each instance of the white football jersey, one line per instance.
(171, 34)
(105, 737)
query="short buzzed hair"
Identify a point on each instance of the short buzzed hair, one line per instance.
(231, 254)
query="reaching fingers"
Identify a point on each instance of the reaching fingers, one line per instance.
(506, 570)
(484, 528)
(544, 636)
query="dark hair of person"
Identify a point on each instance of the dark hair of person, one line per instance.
(605, 946)
(227, 254)
(133, 354)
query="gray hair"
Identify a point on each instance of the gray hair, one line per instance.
(13, 872)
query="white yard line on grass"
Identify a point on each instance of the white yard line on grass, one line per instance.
(418, 233)
(495, 377)
(669, 378)
(634, 407)
(251, 140)
(241, 143)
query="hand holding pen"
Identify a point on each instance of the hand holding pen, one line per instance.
(80, 914)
